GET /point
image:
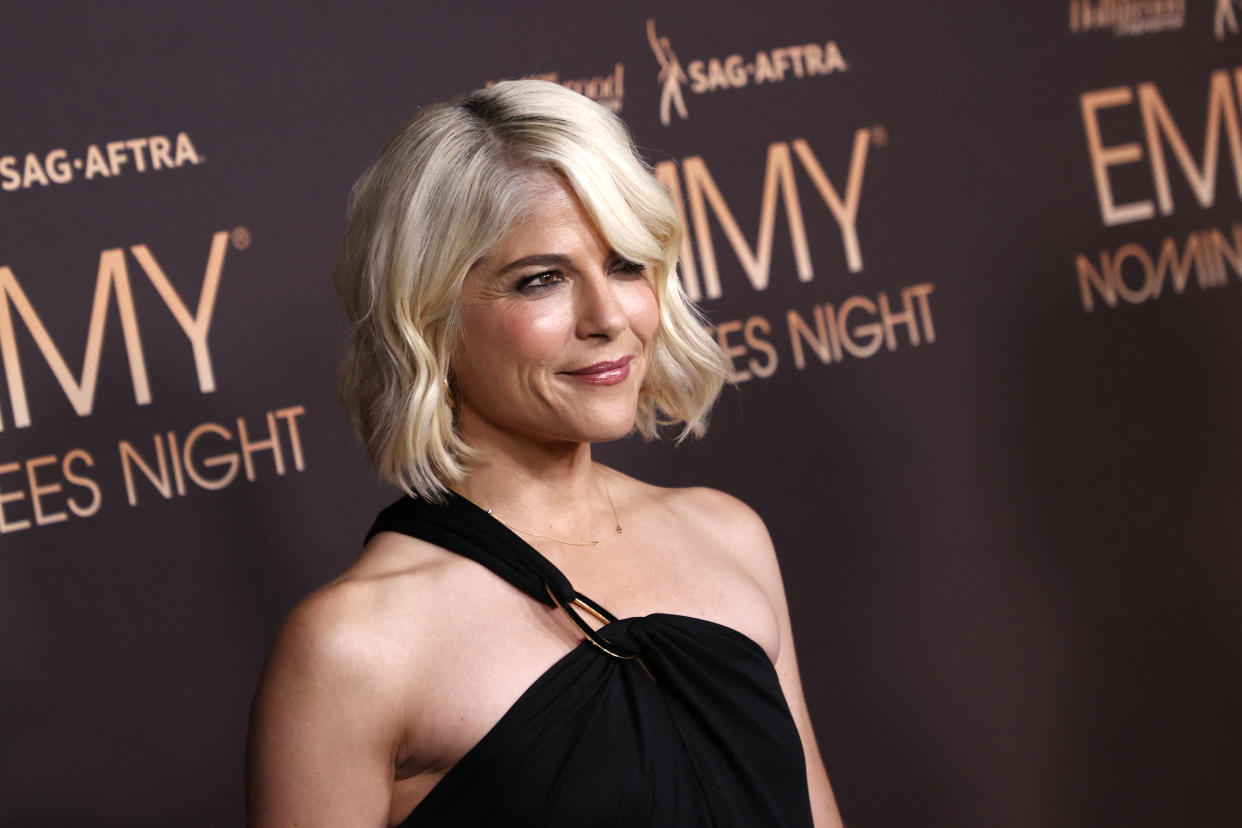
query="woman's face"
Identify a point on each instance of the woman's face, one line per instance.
(556, 330)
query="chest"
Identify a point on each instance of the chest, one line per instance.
(599, 741)
(495, 642)
(595, 736)
(664, 573)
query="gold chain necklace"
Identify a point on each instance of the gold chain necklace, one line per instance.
(591, 543)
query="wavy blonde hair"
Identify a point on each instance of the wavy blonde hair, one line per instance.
(447, 186)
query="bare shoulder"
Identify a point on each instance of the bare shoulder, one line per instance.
(721, 520)
(735, 526)
(333, 698)
(707, 510)
(713, 508)
(349, 635)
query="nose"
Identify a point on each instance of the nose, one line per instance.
(599, 307)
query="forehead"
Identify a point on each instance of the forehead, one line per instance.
(553, 220)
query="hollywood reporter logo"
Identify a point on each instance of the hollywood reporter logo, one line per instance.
(734, 71)
(1127, 18)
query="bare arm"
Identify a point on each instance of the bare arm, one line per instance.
(823, 803)
(323, 729)
(761, 560)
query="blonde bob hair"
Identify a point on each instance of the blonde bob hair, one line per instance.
(445, 189)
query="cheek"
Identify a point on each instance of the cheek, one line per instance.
(533, 332)
(643, 311)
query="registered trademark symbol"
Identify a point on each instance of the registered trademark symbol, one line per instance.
(879, 136)
(240, 237)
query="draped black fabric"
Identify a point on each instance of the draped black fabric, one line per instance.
(694, 731)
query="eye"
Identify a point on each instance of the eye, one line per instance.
(623, 267)
(537, 282)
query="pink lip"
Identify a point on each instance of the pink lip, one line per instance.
(603, 373)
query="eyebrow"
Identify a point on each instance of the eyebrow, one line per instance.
(537, 260)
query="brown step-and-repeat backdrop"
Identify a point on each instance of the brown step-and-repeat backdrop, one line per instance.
(978, 266)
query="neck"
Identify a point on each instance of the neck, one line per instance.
(552, 490)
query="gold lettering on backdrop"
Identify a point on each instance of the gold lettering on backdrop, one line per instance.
(723, 331)
(1133, 275)
(799, 333)
(7, 525)
(1127, 17)
(753, 331)
(95, 164)
(768, 66)
(228, 459)
(869, 331)
(1157, 121)
(39, 485)
(38, 490)
(57, 167)
(858, 326)
(734, 71)
(112, 278)
(702, 191)
(171, 461)
(159, 152)
(290, 416)
(195, 327)
(249, 447)
(889, 320)
(1159, 128)
(666, 173)
(754, 326)
(174, 456)
(131, 457)
(1104, 157)
(606, 90)
(845, 212)
(82, 482)
(757, 263)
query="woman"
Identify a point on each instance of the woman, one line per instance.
(509, 267)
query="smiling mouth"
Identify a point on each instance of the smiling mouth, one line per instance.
(602, 373)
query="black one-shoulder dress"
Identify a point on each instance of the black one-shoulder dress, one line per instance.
(663, 720)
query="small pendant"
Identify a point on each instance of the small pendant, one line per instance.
(594, 544)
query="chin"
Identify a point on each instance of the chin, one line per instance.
(604, 429)
(609, 436)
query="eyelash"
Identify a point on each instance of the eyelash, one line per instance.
(632, 268)
(533, 283)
